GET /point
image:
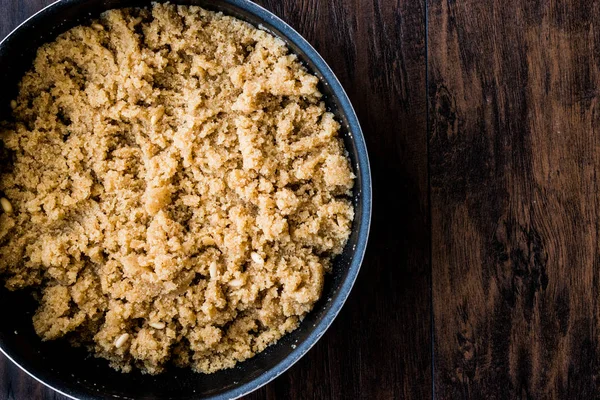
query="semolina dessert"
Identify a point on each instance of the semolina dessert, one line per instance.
(177, 189)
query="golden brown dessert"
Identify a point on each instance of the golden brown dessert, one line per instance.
(178, 189)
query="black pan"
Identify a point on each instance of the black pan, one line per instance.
(75, 373)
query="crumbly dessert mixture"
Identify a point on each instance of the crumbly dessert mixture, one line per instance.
(177, 189)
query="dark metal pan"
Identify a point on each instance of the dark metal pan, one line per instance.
(75, 373)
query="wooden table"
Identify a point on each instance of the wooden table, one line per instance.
(480, 118)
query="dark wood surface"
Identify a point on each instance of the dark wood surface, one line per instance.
(514, 159)
(480, 118)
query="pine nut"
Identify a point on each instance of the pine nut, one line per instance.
(257, 258)
(213, 270)
(6, 206)
(236, 283)
(121, 340)
(207, 241)
(13, 104)
(157, 325)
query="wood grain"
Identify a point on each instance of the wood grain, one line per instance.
(514, 157)
(379, 347)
